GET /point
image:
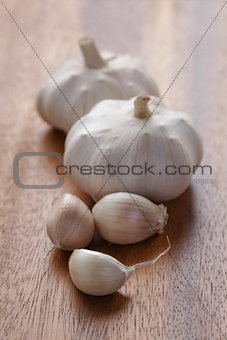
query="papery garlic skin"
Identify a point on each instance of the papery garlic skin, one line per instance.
(96, 273)
(125, 218)
(125, 135)
(79, 87)
(70, 223)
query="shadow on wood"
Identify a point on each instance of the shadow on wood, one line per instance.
(103, 305)
(181, 214)
(53, 140)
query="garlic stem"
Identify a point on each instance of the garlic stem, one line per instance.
(91, 54)
(141, 109)
(148, 263)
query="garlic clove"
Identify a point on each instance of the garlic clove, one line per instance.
(96, 273)
(99, 274)
(125, 218)
(70, 223)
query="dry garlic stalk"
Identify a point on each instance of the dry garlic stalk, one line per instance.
(99, 274)
(125, 218)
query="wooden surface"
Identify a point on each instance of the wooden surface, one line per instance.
(183, 296)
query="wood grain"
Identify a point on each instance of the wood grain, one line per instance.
(183, 296)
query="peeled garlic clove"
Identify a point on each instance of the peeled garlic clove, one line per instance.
(99, 274)
(125, 218)
(70, 223)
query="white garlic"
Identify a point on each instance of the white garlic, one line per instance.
(70, 223)
(83, 83)
(99, 274)
(125, 218)
(132, 144)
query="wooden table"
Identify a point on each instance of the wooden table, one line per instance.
(183, 295)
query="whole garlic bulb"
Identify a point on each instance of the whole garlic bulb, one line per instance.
(84, 83)
(133, 136)
(125, 218)
(99, 274)
(70, 223)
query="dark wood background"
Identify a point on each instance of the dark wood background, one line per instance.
(183, 296)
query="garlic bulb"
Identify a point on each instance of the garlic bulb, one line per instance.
(125, 218)
(70, 223)
(99, 274)
(83, 83)
(144, 147)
